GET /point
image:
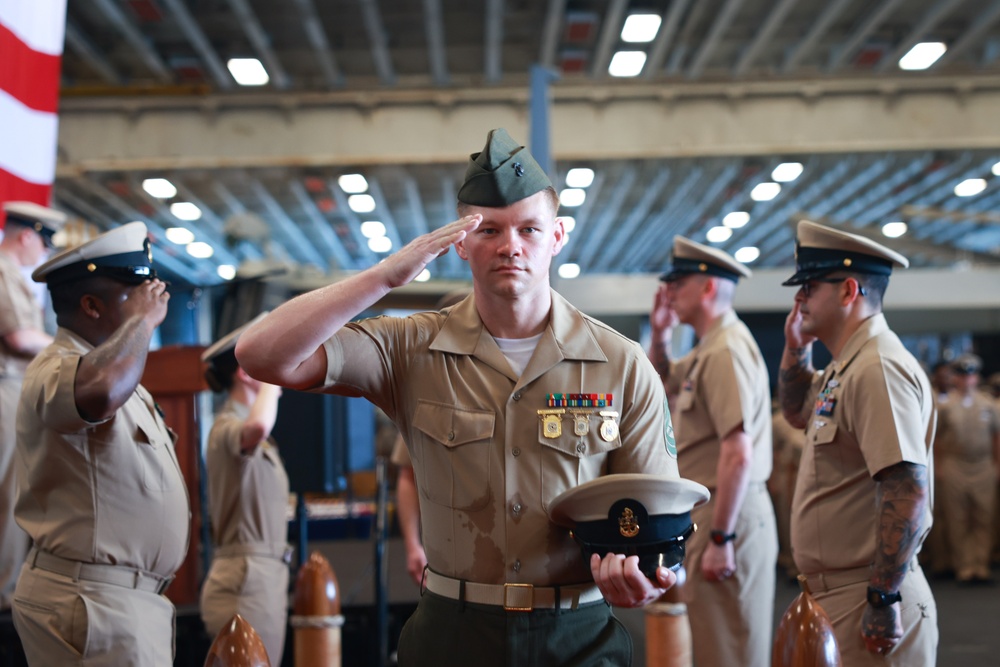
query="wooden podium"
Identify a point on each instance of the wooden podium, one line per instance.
(174, 377)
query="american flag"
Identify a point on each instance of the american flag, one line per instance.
(31, 45)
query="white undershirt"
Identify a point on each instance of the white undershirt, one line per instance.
(518, 351)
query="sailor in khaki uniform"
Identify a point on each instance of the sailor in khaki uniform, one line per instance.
(863, 496)
(100, 490)
(247, 496)
(723, 429)
(505, 401)
(968, 450)
(27, 240)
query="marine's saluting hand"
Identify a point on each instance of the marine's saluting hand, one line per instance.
(405, 265)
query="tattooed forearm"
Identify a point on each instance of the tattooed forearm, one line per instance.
(900, 502)
(794, 379)
(661, 360)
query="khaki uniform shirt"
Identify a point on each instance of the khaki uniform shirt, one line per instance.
(967, 428)
(247, 493)
(721, 384)
(486, 465)
(872, 408)
(107, 492)
(18, 310)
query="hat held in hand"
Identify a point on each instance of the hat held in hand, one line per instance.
(648, 516)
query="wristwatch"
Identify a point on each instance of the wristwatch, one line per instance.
(880, 599)
(720, 538)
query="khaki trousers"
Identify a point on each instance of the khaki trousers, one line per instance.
(731, 620)
(91, 624)
(918, 647)
(256, 588)
(967, 492)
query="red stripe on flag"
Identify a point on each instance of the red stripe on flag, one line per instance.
(13, 188)
(30, 77)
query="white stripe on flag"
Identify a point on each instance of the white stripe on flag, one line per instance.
(41, 24)
(28, 145)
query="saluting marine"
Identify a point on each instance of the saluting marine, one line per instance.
(505, 400)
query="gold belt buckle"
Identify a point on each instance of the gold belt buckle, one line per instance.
(518, 588)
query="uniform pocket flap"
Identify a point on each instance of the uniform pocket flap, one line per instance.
(452, 426)
(824, 434)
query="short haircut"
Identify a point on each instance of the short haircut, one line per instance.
(66, 296)
(550, 192)
(874, 286)
(220, 371)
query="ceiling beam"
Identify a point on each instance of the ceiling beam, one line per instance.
(436, 51)
(295, 238)
(819, 27)
(322, 228)
(979, 25)
(377, 39)
(320, 44)
(192, 31)
(919, 32)
(611, 29)
(261, 43)
(628, 126)
(664, 38)
(687, 37)
(136, 39)
(762, 37)
(722, 22)
(842, 52)
(493, 41)
(554, 17)
(84, 47)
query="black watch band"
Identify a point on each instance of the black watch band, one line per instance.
(720, 538)
(880, 599)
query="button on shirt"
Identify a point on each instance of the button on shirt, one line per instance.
(99, 492)
(871, 409)
(476, 437)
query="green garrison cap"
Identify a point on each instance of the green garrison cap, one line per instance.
(502, 174)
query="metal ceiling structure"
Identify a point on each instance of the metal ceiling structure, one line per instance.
(125, 58)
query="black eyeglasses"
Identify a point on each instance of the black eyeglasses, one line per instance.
(808, 286)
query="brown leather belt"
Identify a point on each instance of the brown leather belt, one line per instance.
(117, 575)
(512, 597)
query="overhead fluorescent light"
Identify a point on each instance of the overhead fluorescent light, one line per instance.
(572, 197)
(179, 235)
(423, 276)
(353, 184)
(160, 188)
(765, 191)
(569, 223)
(736, 219)
(922, 55)
(380, 244)
(641, 28)
(200, 250)
(894, 229)
(361, 203)
(372, 229)
(185, 210)
(787, 172)
(627, 63)
(581, 177)
(996, 169)
(970, 187)
(747, 254)
(718, 234)
(226, 271)
(569, 270)
(247, 71)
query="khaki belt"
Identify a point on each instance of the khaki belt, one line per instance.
(278, 551)
(821, 582)
(512, 597)
(117, 575)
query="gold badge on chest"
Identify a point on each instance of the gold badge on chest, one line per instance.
(551, 422)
